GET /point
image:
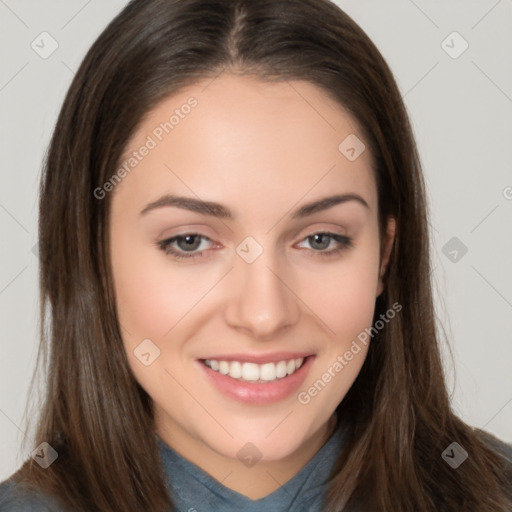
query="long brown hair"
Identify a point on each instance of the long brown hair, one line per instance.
(94, 413)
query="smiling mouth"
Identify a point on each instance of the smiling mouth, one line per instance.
(256, 373)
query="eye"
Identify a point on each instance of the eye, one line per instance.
(321, 241)
(184, 246)
(189, 245)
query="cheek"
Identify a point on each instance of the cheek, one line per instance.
(345, 303)
(150, 299)
(150, 302)
(343, 295)
(352, 304)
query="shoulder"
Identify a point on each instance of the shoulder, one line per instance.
(16, 498)
(505, 451)
(499, 446)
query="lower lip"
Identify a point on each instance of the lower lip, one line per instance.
(259, 393)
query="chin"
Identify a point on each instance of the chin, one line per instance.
(265, 444)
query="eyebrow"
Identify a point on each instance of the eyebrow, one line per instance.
(220, 211)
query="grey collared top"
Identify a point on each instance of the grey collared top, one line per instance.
(194, 490)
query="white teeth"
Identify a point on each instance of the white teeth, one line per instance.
(252, 372)
(224, 367)
(235, 369)
(268, 371)
(281, 368)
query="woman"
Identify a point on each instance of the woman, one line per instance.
(234, 258)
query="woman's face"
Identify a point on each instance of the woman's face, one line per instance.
(253, 283)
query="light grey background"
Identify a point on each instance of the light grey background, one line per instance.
(461, 113)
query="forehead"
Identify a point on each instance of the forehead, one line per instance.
(237, 136)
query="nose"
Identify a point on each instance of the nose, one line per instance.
(262, 302)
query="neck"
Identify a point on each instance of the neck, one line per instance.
(254, 482)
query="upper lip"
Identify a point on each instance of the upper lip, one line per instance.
(274, 357)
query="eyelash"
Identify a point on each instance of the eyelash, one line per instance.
(165, 245)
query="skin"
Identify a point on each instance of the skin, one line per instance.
(262, 150)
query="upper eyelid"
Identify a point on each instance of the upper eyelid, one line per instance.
(343, 231)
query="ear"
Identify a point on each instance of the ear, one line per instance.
(385, 253)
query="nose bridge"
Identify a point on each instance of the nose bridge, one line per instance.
(261, 301)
